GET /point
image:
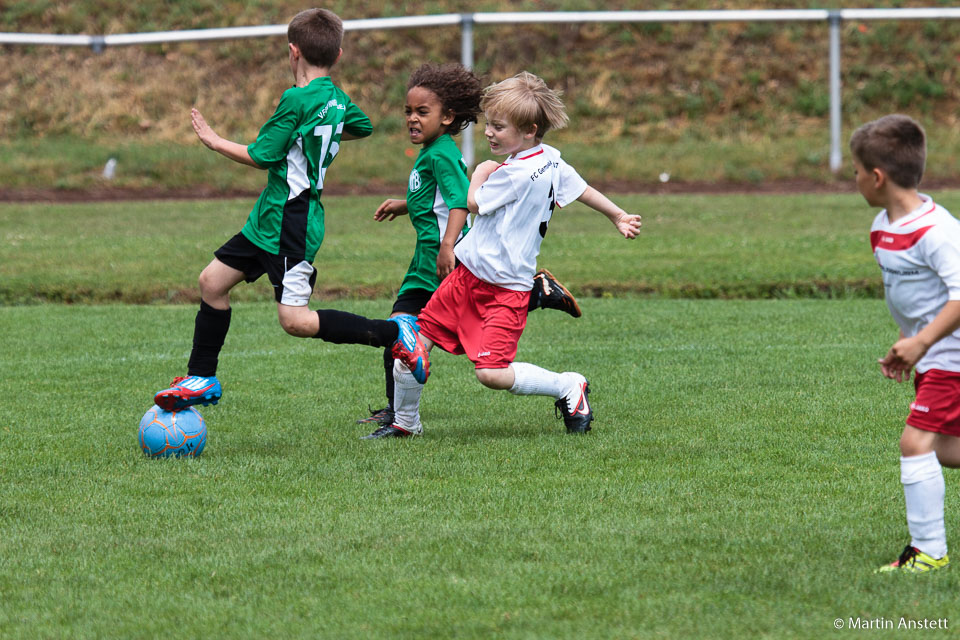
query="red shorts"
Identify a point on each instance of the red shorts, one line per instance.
(482, 320)
(937, 406)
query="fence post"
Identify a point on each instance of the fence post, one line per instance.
(836, 153)
(466, 58)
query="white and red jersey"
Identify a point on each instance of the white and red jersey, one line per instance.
(516, 203)
(919, 256)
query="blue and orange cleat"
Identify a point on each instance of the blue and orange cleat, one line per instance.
(409, 348)
(188, 391)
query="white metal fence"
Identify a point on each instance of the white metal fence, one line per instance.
(832, 17)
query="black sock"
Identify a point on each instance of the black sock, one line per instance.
(388, 371)
(341, 327)
(209, 331)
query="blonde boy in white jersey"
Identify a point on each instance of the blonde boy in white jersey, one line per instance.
(917, 245)
(481, 308)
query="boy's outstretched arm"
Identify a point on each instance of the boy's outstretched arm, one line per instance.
(627, 224)
(233, 150)
(906, 352)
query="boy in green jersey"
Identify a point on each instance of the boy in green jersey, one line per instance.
(285, 228)
(441, 101)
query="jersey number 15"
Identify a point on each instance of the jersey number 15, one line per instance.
(327, 145)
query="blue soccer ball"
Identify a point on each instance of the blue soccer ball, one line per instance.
(180, 433)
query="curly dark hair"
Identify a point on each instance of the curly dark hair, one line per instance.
(457, 87)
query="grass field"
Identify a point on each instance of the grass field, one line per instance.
(702, 246)
(741, 479)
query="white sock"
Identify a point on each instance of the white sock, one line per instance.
(406, 398)
(923, 490)
(531, 380)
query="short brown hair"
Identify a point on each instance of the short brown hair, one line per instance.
(526, 100)
(457, 88)
(896, 144)
(318, 33)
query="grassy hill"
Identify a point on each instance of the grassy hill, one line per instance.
(738, 102)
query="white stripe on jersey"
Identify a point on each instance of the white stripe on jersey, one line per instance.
(297, 178)
(516, 204)
(442, 211)
(919, 257)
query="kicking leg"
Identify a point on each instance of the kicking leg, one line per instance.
(549, 293)
(400, 333)
(569, 389)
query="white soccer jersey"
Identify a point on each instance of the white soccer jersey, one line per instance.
(516, 203)
(919, 256)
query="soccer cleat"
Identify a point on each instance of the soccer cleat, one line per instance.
(188, 391)
(548, 293)
(409, 348)
(391, 431)
(574, 407)
(380, 416)
(912, 560)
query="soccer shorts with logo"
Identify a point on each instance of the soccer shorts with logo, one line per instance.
(469, 316)
(292, 278)
(937, 405)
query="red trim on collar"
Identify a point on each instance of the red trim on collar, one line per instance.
(930, 210)
(531, 155)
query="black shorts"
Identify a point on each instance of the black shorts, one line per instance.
(412, 301)
(292, 278)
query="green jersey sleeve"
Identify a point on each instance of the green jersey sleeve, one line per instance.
(451, 177)
(356, 122)
(277, 134)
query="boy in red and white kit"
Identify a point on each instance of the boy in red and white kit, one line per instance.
(481, 308)
(917, 245)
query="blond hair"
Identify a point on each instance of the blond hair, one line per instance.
(526, 101)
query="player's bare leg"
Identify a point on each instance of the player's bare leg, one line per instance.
(298, 321)
(216, 281)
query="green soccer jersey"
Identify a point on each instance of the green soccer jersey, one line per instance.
(296, 145)
(438, 183)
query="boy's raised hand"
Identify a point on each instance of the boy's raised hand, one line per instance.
(207, 135)
(390, 209)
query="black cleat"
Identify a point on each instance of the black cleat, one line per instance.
(579, 418)
(548, 293)
(383, 417)
(390, 431)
